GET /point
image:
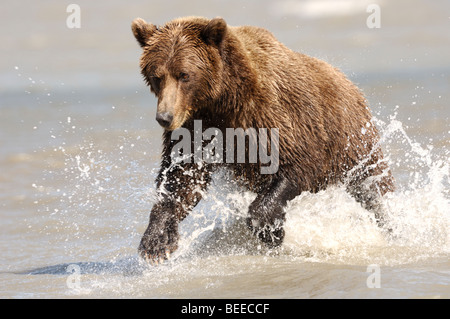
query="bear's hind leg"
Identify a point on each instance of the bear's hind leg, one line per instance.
(369, 192)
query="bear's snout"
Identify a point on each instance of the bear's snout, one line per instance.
(164, 119)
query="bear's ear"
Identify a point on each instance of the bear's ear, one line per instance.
(214, 32)
(142, 31)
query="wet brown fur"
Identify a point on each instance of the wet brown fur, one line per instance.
(243, 77)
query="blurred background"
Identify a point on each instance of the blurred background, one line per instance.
(79, 145)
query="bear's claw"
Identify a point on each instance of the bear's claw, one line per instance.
(272, 236)
(156, 247)
(159, 240)
(155, 259)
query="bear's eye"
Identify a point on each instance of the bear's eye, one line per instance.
(155, 82)
(184, 77)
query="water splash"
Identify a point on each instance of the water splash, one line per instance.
(331, 226)
(104, 187)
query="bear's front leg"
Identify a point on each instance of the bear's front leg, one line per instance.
(180, 188)
(161, 237)
(267, 213)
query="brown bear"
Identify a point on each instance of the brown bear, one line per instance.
(243, 77)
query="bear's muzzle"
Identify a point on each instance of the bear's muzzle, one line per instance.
(164, 119)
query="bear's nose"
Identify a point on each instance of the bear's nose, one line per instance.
(164, 119)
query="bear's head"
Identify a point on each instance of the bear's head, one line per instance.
(182, 64)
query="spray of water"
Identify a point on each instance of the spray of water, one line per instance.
(103, 188)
